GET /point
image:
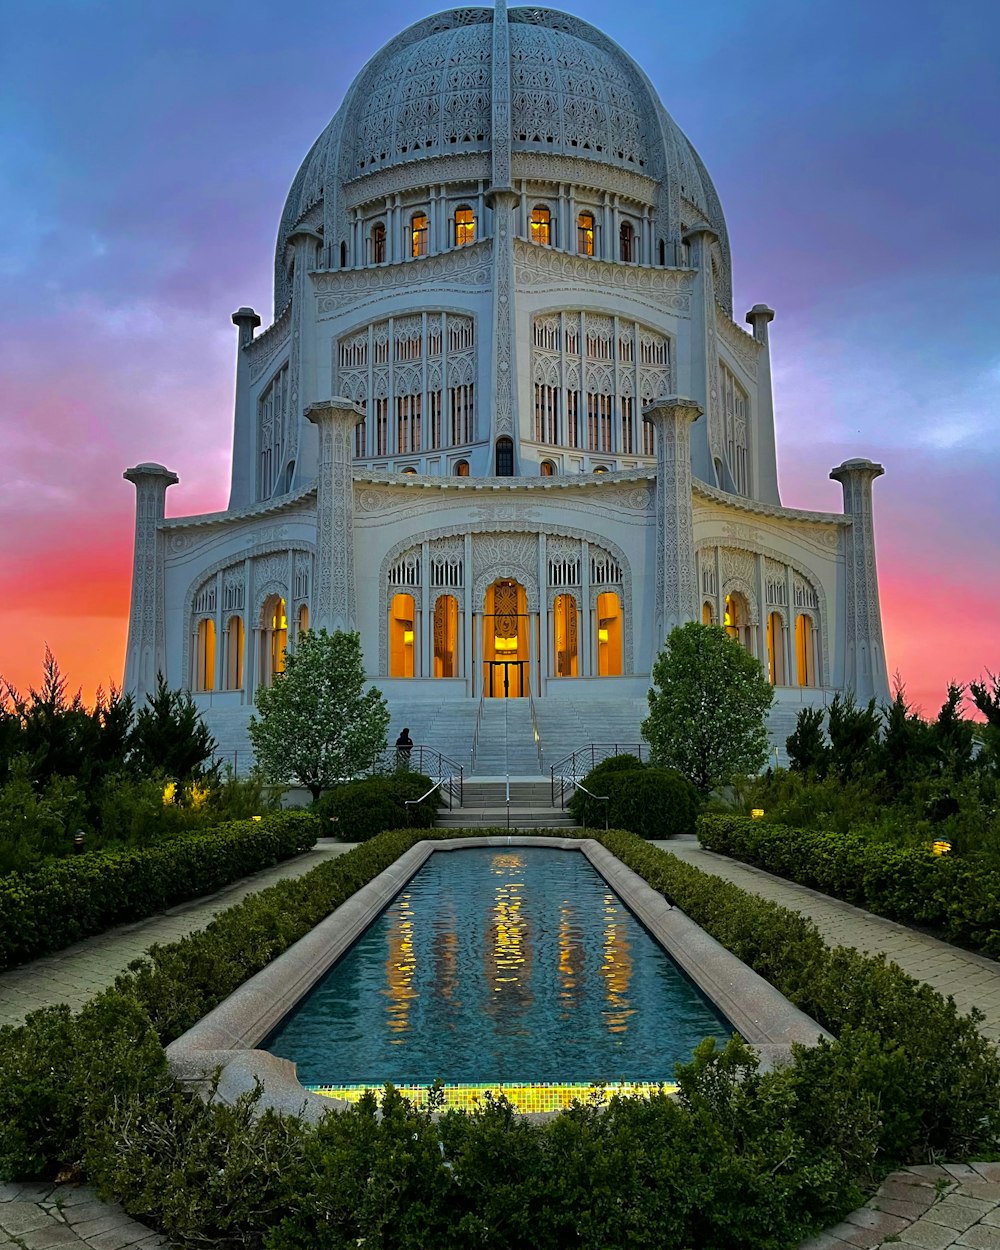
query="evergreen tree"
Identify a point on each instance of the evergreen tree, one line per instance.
(807, 747)
(169, 736)
(854, 735)
(708, 707)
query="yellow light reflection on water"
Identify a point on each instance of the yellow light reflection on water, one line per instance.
(571, 961)
(508, 948)
(616, 969)
(400, 967)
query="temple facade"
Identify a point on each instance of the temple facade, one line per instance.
(503, 421)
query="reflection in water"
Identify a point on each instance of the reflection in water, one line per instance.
(572, 967)
(508, 951)
(616, 968)
(400, 967)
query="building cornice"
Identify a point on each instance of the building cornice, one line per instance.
(755, 508)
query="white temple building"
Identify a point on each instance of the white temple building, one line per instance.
(503, 422)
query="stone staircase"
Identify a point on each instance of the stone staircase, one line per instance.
(485, 807)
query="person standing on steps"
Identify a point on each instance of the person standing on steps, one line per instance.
(404, 745)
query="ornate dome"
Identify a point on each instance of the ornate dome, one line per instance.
(428, 94)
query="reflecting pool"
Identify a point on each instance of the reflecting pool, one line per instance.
(515, 965)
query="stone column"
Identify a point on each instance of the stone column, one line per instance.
(504, 420)
(864, 649)
(676, 574)
(145, 656)
(764, 464)
(708, 458)
(241, 492)
(335, 420)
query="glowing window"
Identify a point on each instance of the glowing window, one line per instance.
(547, 468)
(465, 227)
(461, 468)
(418, 234)
(566, 630)
(541, 226)
(776, 649)
(707, 614)
(274, 639)
(585, 234)
(402, 640)
(378, 244)
(805, 650)
(609, 635)
(204, 674)
(446, 636)
(234, 653)
(303, 618)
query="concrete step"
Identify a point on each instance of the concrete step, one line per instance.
(497, 817)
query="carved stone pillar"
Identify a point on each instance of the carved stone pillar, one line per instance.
(864, 648)
(676, 573)
(335, 420)
(145, 656)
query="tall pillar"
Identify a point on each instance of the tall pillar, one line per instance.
(864, 649)
(764, 463)
(241, 491)
(707, 449)
(145, 655)
(335, 420)
(676, 574)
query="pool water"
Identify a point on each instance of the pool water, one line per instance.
(515, 965)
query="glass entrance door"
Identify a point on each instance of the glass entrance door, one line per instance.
(505, 641)
(507, 679)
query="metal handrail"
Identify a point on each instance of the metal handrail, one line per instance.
(475, 734)
(599, 798)
(535, 730)
(408, 803)
(583, 759)
(507, 791)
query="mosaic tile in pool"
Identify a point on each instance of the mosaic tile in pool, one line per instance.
(517, 965)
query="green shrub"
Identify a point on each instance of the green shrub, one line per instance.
(955, 895)
(60, 902)
(651, 802)
(359, 810)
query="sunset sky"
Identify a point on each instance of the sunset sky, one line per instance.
(145, 154)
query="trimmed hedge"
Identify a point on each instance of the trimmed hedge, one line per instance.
(371, 805)
(957, 896)
(62, 901)
(648, 801)
(739, 1158)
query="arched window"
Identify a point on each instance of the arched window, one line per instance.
(378, 243)
(418, 234)
(234, 653)
(541, 225)
(401, 636)
(465, 226)
(461, 468)
(585, 234)
(737, 619)
(626, 239)
(776, 649)
(566, 636)
(609, 635)
(204, 661)
(505, 457)
(600, 468)
(805, 650)
(303, 619)
(707, 613)
(446, 636)
(663, 253)
(274, 639)
(547, 468)
(409, 469)
(343, 255)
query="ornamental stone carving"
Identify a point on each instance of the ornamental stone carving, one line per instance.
(334, 605)
(146, 650)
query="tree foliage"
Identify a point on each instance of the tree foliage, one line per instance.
(318, 724)
(708, 707)
(170, 737)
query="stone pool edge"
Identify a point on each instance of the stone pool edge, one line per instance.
(227, 1037)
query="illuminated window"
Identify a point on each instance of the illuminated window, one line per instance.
(378, 244)
(418, 234)
(547, 468)
(805, 650)
(234, 653)
(541, 226)
(204, 667)
(303, 618)
(626, 239)
(609, 635)
(585, 234)
(409, 469)
(505, 457)
(461, 468)
(401, 636)
(600, 468)
(566, 630)
(446, 636)
(274, 639)
(707, 614)
(737, 619)
(776, 649)
(465, 227)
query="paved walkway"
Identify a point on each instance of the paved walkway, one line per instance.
(77, 973)
(920, 1208)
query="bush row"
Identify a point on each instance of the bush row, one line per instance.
(955, 895)
(624, 793)
(358, 810)
(739, 1158)
(62, 901)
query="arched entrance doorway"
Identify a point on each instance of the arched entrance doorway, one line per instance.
(506, 665)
